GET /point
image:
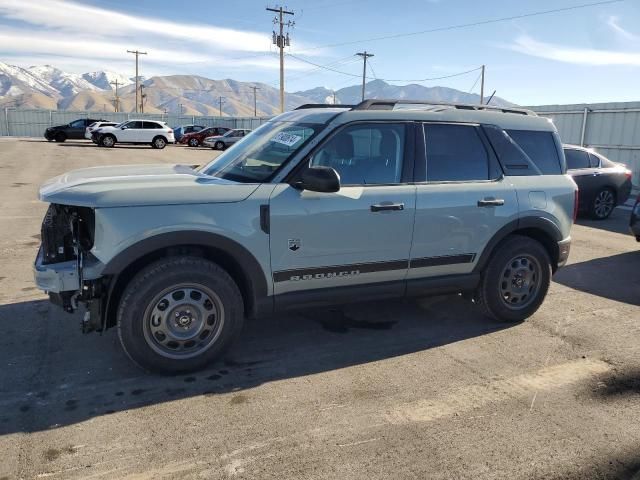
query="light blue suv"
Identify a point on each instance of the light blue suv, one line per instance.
(319, 206)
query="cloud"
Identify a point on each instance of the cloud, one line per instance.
(612, 22)
(72, 17)
(575, 55)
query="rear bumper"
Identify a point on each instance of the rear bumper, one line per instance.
(624, 192)
(564, 247)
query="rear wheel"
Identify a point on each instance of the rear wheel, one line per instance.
(194, 142)
(107, 141)
(60, 137)
(516, 280)
(603, 204)
(219, 146)
(179, 314)
(159, 143)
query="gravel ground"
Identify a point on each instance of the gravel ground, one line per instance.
(425, 389)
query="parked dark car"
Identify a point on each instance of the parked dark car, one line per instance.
(71, 131)
(195, 139)
(603, 184)
(181, 130)
(634, 223)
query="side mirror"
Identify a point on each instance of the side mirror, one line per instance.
(319, 179)
(123, 127)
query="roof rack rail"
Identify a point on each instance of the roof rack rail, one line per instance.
(390, 105)
(323, 105)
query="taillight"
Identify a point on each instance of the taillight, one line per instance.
(575, 204)
(628, 173)
(170, 131)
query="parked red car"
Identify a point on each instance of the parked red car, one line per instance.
(194, 139)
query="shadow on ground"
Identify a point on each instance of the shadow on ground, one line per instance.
(54, 376)
(616, 277)
(618, 222)
(93, 145)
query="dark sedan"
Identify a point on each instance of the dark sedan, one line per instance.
(194, 139)
(634, 224)
(74, 130)
(603, 184)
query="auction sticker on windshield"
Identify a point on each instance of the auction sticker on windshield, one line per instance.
(287, 139)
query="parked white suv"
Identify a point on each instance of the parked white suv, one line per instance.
(88, 132)
(151, 132)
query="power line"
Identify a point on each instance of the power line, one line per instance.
(475, 83)
(387, 79)
(466, 25)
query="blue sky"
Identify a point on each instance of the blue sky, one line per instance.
(585, 55)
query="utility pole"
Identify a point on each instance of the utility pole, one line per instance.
(255, 104)
(334, 97)
(117, 97)
(180, 109)
(137, 53)
(142, 97)
(482, 86)
(364, 55)
(221, 99)
(281, 41)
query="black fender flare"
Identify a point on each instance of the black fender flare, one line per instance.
(538, 223)
(252, 272)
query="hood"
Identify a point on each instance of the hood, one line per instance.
(57, 127)
(136, 185)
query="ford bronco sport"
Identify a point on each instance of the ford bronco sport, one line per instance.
(318, 206)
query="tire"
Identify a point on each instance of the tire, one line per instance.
(194, 142)
(60, 137)
(183, 340)
(107, 140)
(159, 143)
(219, 146)
(603, 204)
(515, 281)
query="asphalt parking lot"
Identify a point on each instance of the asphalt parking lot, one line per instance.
(425, 389)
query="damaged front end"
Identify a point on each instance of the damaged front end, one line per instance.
(65, 267)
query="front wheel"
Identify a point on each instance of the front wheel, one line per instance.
(193, 142)
(219, 146)
(516, 280)
(603, 204)
(179, 314)
(60, 137)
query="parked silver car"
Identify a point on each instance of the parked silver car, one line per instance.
(222, 142)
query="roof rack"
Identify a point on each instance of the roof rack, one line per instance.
(391, 104)
(323, 105)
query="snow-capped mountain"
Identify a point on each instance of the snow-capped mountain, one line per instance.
(49, 87)
(18, 81)
(381, 89)
(66, 84)
(103, 79)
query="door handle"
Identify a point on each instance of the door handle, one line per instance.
(379, 207)
(491, 202)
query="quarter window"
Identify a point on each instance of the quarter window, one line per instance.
(576, 159)
(455, 153)
(540, 147)
(365, 154)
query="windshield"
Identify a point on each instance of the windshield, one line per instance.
(256, 157)
(230, 133)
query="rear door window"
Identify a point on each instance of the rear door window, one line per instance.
(540, 147)
(455, 153)
(576, 159)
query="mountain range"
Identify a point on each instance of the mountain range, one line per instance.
(50, 88)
